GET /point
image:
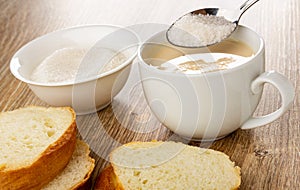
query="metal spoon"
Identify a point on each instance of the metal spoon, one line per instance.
(230, 15)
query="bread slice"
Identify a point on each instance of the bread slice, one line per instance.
(77, 172)
(169, 165)
(36, 143)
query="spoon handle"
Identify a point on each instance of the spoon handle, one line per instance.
(245, 6)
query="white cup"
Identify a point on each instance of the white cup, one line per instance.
(211, 105)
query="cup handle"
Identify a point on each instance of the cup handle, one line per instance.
(287, 93)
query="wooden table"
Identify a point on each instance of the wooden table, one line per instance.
(268, 156)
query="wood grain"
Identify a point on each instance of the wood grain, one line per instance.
(268, 156)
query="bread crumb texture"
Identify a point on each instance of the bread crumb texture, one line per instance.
(171, 165)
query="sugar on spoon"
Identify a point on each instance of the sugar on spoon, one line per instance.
(206, 26)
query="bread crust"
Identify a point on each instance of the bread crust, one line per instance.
(107, 180)
(50, 163)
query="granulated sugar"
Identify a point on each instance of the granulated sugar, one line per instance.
(194, 30)
(70, 64)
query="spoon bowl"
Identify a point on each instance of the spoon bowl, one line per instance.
(232, 16)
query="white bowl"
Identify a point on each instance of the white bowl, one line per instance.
(85, 95)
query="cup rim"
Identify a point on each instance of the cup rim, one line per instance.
(15, 65)
(142, 63)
